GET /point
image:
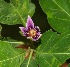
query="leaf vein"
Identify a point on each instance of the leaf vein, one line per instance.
(61, 7)
(47, 42)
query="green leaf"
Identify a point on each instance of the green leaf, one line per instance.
(16, 11)
(58, 13)
(54, 49)
(9, 57)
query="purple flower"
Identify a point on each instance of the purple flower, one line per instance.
(31, 32)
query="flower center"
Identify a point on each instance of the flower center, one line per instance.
(32, 33)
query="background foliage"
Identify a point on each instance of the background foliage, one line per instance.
(15, 12)
(54, 48)
(58, 13)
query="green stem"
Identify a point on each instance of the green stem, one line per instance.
(17, 42)
(29, 57)
(14, 42)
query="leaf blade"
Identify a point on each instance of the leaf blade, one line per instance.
(54, 49)
(58, 13)
(9, 57)
(15, 12)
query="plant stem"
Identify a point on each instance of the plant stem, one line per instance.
(29, 57)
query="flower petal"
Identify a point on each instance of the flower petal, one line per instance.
(29, 37)
(37, 28)
(37, 37)
(23, 29)
(29, 23)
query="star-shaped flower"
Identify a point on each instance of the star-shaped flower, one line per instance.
(31, 32)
